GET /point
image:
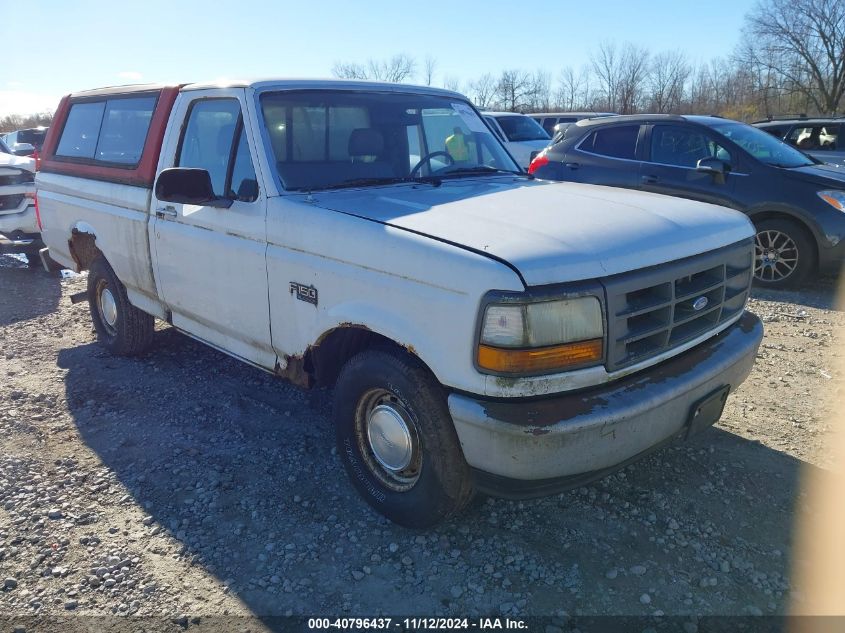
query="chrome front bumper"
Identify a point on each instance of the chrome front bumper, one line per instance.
(533, 447)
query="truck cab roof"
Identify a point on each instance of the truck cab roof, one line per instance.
(267, 83)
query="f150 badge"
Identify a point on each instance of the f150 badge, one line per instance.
(304, 293)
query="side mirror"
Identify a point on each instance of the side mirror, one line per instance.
(188, 186)
(23, 149)
(715, 167)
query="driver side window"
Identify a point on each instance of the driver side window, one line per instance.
(684, 146)
(209, 142)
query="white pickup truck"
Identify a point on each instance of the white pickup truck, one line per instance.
(18, 221)
(483, 330)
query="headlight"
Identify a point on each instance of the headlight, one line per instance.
(834, 198)
(541, 337)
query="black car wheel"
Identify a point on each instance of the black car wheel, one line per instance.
(783, 254)
(396, 438)
(121, 327)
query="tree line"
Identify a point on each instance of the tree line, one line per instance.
(790, 60)
(12, 122)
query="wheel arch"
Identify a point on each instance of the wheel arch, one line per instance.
(327, 356)
(763, 214)
(82, 245)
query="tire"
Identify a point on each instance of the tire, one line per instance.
(121, 328)
(781, 244)
(389, 389)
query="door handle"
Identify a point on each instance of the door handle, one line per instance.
(572, 165)
(168, 211)
(650, 180)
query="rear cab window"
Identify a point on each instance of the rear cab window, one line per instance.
(110, 131)
(109, 134)
(618, 141)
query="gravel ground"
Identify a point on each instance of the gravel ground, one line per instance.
(188, 485)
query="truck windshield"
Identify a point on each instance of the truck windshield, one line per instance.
(762, 145)
(324, 139)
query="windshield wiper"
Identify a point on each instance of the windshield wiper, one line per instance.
(365, 182)
(478, 169)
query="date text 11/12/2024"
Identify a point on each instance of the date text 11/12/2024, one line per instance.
(417, 624)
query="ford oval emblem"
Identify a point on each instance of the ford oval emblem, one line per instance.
(700, 303)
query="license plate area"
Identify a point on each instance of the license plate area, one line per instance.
(707, 411)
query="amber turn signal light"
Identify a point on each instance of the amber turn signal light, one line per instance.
(541, 359)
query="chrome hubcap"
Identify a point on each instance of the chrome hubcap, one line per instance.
(775, 256)
(388, 439)
(107, 307)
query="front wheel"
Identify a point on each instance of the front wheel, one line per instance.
(396, 439)
(783, 254)
(121, 327)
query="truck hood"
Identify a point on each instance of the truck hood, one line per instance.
(550, 232)
(23, 163)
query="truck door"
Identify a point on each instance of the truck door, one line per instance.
(671, 168)
(210, 262)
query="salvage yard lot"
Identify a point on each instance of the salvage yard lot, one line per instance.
(185, 482)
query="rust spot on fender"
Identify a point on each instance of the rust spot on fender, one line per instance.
(295, 371)
(83, 249)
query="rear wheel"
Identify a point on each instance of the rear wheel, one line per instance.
(121, 327)
(783, 254)
(396, 439)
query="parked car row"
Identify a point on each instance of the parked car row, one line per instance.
(797, 202)
(24, 142)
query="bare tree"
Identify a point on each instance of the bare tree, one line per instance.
(573, 89)
(397, 69)
(633, 72)
(802, 41)
(429, 66)
(540, 96)
(483, 90)
(669, 73)
(605, 64)
(350, 70)
(514, 89)
(452, 83)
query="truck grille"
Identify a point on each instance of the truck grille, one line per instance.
(653, 310)
(16, 179)
(10, 202)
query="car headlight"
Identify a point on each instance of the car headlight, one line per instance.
(834, 198)
(541, 337)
